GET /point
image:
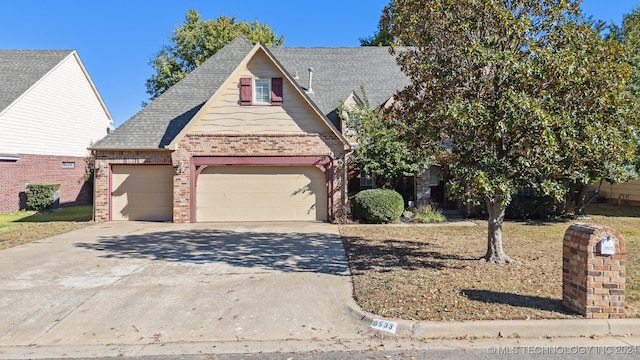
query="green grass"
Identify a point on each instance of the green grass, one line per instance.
(20, 227)
(71, 213)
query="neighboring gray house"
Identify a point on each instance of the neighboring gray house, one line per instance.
(251, 134)
(50, 114)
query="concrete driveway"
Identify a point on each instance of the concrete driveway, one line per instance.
(143, 283)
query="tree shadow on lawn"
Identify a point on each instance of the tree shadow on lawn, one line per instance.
(392, 254)
(289, 252)
(534, 302)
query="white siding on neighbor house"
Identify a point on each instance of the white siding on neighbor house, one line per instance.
(60, 115)
(227, 116)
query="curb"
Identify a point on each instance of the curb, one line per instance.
(501, 328)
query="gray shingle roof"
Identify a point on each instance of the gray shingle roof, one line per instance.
(158, 123)
(337, 72)
(21, 69)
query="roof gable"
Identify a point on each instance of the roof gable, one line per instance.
(214, 116)
(158, 123)
(338, 72)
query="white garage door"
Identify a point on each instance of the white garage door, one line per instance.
(261, 193)
(142, 192)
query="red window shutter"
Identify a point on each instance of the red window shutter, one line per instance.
(276, 91)
(246, 92)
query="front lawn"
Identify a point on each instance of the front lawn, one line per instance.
(21, 227)
(433, 273)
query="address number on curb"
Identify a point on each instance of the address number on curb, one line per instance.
(383, 325)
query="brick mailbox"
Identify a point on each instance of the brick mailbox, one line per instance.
(593, 271)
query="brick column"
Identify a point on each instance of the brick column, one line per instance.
(592, 283)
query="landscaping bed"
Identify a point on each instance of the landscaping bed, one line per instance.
(434, 273)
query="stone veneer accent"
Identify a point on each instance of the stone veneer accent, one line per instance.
(220, 145)
(593, 284)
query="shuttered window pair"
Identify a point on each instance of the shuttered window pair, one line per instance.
(260, 91)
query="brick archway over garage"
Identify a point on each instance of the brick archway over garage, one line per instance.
(324, 163)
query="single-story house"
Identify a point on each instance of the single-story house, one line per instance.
(50, 113)
(253, 134)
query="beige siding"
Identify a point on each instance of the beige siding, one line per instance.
(142, 192)
(626, 192)
(226, 116)
(60, 115)
(261, 193)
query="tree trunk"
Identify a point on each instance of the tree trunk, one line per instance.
(495, 253)
(581, 200)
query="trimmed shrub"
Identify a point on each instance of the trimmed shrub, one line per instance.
(378, 206)
(40, 196)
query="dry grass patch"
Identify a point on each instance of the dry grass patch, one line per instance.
(434, 273)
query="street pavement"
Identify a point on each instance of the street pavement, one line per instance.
(136, 289)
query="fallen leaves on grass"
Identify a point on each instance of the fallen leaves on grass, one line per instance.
(435, 273)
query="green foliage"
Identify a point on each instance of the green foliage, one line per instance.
(40, 196)
(629, 35)
(529, 207)
(427, 214)
(196, 40)
(382, 152)
(512, 94)
(378, 206)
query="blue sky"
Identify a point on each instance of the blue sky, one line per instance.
(116, 39)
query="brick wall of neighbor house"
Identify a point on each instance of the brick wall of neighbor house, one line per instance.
(253, 145)
(104, 159)
(42, 169)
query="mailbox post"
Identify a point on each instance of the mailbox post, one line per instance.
(593, 271)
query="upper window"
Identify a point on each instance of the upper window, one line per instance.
(352, 124)
(262, 91)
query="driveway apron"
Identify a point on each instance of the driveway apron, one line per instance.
(141, 283)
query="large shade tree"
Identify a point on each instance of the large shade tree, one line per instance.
(196, 40)
(511, 94)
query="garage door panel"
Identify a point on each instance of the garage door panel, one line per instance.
(265, 193)
(142, 192)
(146, 186)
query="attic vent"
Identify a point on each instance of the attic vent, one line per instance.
(309, 88)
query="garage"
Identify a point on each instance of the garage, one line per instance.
(142, 192)
(261, 193)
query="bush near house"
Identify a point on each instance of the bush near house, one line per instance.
(378, 206)
(428, 214)
(40, 196)
(528, 207)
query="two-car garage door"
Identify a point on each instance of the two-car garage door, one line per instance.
(223, 193)
(261, 193)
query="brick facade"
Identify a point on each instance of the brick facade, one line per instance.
(215, 145)
(593, 284)
(43, 169)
